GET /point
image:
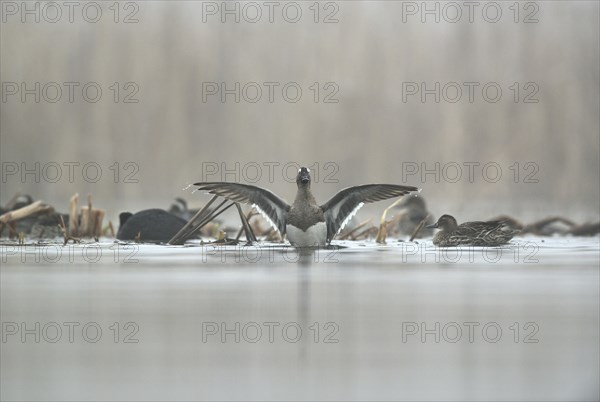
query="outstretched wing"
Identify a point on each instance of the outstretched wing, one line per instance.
(344, 205)
(271, 207)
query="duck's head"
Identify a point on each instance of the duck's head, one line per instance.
(303, 177)
(179, 206)
(123, 217)
(446, 222)
(22, 201)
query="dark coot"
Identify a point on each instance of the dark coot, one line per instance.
(154, 225)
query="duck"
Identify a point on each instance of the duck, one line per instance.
(555, 225)
(43, 224)
(585, 229)
(412, 211)
(180, 208)
(22, 225)
(486, 234)
(306, 223)
(48, 226)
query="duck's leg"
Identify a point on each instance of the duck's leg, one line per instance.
(250, 236)
(201, 218)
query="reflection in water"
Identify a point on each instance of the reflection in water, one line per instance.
(373, 295)
(304, 318)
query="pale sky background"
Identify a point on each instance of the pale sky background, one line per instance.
(367, 135)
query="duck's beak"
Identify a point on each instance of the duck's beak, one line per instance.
(432, 226)
(304, 177)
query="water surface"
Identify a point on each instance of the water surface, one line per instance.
(403, 321)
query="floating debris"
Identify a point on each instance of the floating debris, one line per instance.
(420, 226)
(382, 233)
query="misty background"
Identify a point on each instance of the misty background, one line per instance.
(369, 135)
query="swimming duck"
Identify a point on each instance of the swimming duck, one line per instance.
(412, 211)
(305, 222)
(555, 225)
(586, 229)
(180, 208)
(488, 234)
(47, 226)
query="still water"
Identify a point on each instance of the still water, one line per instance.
(403, 321)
